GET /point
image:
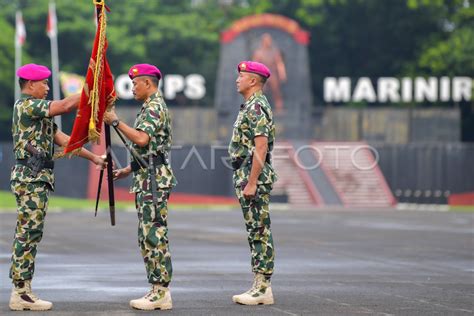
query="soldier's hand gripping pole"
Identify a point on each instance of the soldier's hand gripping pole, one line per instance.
(132, 150)
(99, 188)
(143, 164)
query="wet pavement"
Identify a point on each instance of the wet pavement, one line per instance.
(328, 263)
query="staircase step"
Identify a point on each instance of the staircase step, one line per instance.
(289, 178)
(349, 174)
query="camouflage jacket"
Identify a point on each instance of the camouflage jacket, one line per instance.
(255, 118)
(154, 120)
(31, 123)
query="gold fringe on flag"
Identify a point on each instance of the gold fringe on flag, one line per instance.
(94, 135)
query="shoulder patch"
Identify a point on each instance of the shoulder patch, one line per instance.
(154, 114)
(258, 109)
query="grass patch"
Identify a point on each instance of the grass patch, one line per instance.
(7, 202)
(462, 208)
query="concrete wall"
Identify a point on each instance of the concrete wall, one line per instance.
(389, 125)
(192, 125)
(199, 126)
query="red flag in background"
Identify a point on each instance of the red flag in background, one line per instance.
(51, 26)
(98, 92)
(20, 31)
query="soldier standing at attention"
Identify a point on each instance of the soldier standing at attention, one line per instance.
(250, 151)
(153, 180)
(32, 178)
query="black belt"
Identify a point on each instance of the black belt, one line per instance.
(237, 163)
(47, 164)
(157, 161)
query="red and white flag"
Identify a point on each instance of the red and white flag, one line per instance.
(51, 26)
(98, 92)
(20, 31)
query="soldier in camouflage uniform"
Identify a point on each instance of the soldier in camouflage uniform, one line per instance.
(151, 140)
(32, 178)
(250, 148)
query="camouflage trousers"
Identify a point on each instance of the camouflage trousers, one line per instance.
(257, 222)
(32, 202)
(153, 236)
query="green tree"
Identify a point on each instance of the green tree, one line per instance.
(450, 51)
(8, 56)
(349, 38)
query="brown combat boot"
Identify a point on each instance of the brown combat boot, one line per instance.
(158, 297)
(259, 294)
(22, 298)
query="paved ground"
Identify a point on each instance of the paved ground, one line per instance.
(328, 263)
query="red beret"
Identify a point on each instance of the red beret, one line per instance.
(144, 70)
(254, 67)
(33, 72)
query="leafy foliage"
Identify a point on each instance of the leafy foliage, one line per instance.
(349, 37)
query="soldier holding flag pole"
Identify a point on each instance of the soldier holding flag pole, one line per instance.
(32, 179)
(153, 180)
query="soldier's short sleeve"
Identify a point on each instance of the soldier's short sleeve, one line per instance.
(152, 120)
(37, 108)
(260, 123)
